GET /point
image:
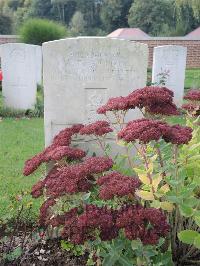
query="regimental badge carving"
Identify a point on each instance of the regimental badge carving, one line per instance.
(94, 98)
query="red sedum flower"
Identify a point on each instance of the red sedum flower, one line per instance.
(97, 165)
(143, 130)
(191, 107)
(32, 164)
(99, 128)
(178, 135)
(64, 137)
(193, 95)
(150, 95)
(147, 224)
(57, 153)
(116, 184)
(83, 227)
(163, 109)
(155, 100)
(114, 104)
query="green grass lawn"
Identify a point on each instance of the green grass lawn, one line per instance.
(192, 78)
(19, 140)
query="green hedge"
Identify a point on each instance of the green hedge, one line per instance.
(37, 31)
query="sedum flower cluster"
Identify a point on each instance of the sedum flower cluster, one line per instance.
(193, 102)
(73, 174)
(154, 100)
(146, 130)
(147, 224)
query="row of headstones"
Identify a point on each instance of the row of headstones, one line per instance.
(80, 74)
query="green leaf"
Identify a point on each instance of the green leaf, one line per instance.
(15, 254)
(174, 199)
(145, 195)
(86, 196)
(167, 206)
(197, 242)
(125, 261)
(186, 210)
(197, 220)
(156, 204)
(195, 157)
(136, 244)
(111, 259)
(90, 262)
(156, 182)
(139, 171)
(188, 236)
(191, 202)
(144, 179)
(161, 242)
(194, 146)
(66, 245)
(153, 158)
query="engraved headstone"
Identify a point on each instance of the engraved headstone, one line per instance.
(81, 74)
(169, 61)
(19, 86)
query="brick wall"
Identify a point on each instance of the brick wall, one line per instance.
(8, 39)
(193, 48)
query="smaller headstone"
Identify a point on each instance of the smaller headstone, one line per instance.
(20, 75)
(169, 64)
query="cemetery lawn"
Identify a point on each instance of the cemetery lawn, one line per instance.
(19, 140)
(192, 78)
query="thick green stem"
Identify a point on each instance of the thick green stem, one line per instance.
(160, 159)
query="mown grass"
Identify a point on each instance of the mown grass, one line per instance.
(19, 140)
(192, 78)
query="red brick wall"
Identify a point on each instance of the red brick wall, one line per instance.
(193, 49)
(193, 46)
(8, 39)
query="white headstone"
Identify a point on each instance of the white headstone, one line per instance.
(81, 74)
(19, 86)
(39, 64)
(171, 59)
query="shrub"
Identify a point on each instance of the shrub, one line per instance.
(134, 210)
(37, 31)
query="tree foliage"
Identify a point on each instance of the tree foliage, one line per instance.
(5, 24)
(150, 16)
(114, 14)
(193, 4)
(156, 17)
(78, 24)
